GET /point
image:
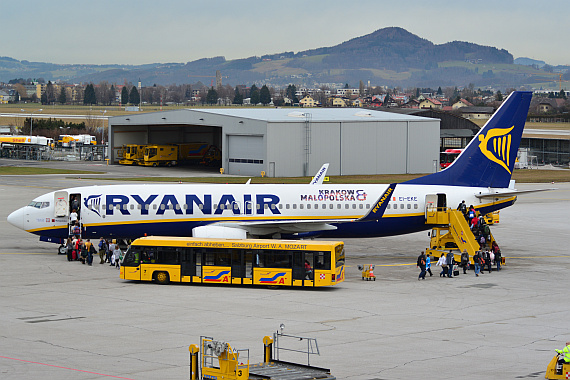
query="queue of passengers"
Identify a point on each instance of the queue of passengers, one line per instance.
(79, 250)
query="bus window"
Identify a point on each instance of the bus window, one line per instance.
(339, 253)
(277, 259)
(322, 260)
(167, 255)
(131, 258)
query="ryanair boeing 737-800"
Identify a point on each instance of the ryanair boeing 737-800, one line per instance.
(480, 176)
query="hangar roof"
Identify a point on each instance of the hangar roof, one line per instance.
(317, 114)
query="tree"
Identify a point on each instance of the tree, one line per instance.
(439, 91)
(50, 93)
(62, 98)
(254, 94)
(238, 97)
(89, 97)
(124, 96)
(134, 97)
(212, 96)
(264, 95)
(499, 96)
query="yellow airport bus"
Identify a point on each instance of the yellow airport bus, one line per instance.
(307, 263)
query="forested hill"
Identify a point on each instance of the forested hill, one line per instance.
(390, 56)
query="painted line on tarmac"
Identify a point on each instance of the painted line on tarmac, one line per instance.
(67, 368)
(534, 257)
(28, 253)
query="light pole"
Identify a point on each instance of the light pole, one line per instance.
(31, 118)
(103, 132)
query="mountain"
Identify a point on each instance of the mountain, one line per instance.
(529, 62)
(390, 56)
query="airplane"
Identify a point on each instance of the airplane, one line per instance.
(480, 176)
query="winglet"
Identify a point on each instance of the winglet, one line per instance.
(320, 176)
(379, 208)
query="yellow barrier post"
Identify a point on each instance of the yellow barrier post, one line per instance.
(267, 349)
(194, 371)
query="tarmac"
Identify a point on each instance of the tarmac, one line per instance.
(64, 320)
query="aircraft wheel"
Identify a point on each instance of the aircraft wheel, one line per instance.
(162, 278)
(62, 250)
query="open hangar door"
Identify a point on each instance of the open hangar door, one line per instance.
(206, 136)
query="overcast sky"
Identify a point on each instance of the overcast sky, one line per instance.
(144, 31)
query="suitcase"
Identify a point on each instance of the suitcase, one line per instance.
(74, 254)
(456, 273)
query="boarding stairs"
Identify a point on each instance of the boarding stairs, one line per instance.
(451, 232)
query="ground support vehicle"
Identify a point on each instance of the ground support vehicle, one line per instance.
(218, 360)
(556, 370)
(453, 234)
(492, 218)
(132, 154)
(309, 263)
(160, 155)
(66, 141)
(26, 147)
(367, 272)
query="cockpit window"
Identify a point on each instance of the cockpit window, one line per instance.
(39, 204)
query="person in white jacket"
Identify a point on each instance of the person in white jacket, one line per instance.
(443, 263)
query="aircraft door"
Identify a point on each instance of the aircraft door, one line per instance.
(441, 202)
(61, 205)
(431, 204)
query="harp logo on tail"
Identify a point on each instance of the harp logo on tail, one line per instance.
(496, 146)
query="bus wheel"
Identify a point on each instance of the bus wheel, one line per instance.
(154, 164)
(62, 250)
(162, 278)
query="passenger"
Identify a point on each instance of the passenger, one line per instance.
(76, 230)
(477, 262)
(471, 213)
(117, 256)
(75, 205)
(465, 261)
(308, 271)
(102, 250)
(83, 252)
(443, 263)
(450, 262)
(69, 249)
(112, 251)
(428, 264)
(498, 258)
(463, 208)
(474, 224)
(73, 217)
(421, 263)
(108, 252)
(89, 251)
(486, 261)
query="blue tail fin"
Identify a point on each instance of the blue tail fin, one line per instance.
(489, 159)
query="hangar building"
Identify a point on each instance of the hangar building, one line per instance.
(285, 142)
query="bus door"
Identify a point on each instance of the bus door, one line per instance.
(300, 272)
(187, 263)
(238, 266)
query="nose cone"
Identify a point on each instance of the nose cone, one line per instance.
(17, 218)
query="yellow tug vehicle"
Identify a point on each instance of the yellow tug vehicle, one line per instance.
(557, 368)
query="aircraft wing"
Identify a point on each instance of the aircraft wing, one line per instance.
(506, 194)
(284, 226)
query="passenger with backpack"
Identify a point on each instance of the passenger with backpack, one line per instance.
(421, 263)
(450, 262)
(477, 263)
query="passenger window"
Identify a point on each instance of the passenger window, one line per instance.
(331, 206)
(132, 207)
(415, 205)
(338, 206)
(154, 206)
(201, 206)
(162, 207)
(346, 206)
(409, 206)
(301, 206)
(361, 206)
(402, 206)
(280, 206)
(294, 206)
(354, 206)
(308, 207)
(287, 206)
